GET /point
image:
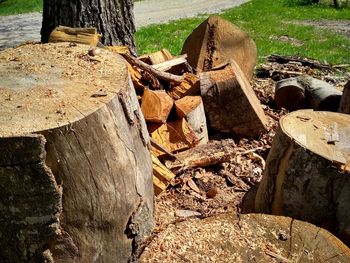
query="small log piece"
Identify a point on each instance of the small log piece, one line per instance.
(169, 64)
(191, 108)
(87, 36)
(188, 87)
(345, 100)
(70, 126)
(175, 136)
(161, 176)
(290, 94)
(119, 49)
(230, 102)
(245, 238)
(156, 105)
(156, 57)
(215, 41)
(307, 173)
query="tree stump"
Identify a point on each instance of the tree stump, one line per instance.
(307, 171)
(247, 238)
(75, 169)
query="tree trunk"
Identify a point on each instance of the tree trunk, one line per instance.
(114, 19)
(97, 157)
(307, 171)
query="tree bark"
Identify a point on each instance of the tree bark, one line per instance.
(345, 99)
(97, 157)
(307, 171)
(114, 19)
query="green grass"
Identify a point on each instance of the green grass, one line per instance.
(11, 7)
(263, 19)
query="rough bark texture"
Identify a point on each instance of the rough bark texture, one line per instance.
(215, 41)
(307, 171)
(247, 238)
(97, 152)
(114, 19)
(230, 103)
(345, 99)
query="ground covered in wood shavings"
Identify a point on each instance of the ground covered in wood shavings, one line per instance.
(200, 193)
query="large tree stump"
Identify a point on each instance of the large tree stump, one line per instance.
(247, 238)
(97, 157)
(307, 173)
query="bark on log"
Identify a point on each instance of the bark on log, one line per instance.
(215, 41)
(290, 94)
(307, 171)
(191, 108)
(96, 153)
(245, 238)
(345, 99)
(230, 103)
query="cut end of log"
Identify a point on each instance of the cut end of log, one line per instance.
(156, 105)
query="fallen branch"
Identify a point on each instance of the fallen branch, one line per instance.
(160, 74)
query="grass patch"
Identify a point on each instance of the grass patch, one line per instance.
(11, 7)
(264, 20)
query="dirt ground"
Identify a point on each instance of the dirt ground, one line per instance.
(222, 188)
(338, 26)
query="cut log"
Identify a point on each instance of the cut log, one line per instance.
(215, 41)
(161, 176)
(290, 94)
(307, 172)
(305, 91)
(191, 108)
(156, 57)
(87, 36)
(156, 105)
(188, 87)
(167, 65)
(175, 136)
(230, 102)
(97, 157)
(345, 100)
(247, 238)
(119, 49)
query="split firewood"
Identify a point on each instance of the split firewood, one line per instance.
(156, 105)
(167, 65)
(190, 86)
(136, 77)
(156, 57)
(307, 173)
(267, 238)
(175, 136)
(230, 102)
(345, 100)
(87, 36)
(217, 40)
(191, 108)
(119, 49)
(162, 176)
(157, 73)
(305, 91)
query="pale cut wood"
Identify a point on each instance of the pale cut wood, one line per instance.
(87, 36)
(156, 105)
(119, 49)
(216, 41)
(307, 172)
(175, 136)
(230, 102)
(345, 100)
(188, 87)
(136, 77)
(96, 155)
(245, 238)
(161, 176)
(169, 64)
(156, 57)
(191, 108)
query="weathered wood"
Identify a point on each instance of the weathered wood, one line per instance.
(96, 155)
(307, 171)
(119, 49)
(175, 136)
(245, 238)
(156, 105)
(167, 65)
(161, 176)
(87, 36)
(290, 94)
(217, 40)
(188, 87)
(345, 99)
(230, 103)
(191, 108)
